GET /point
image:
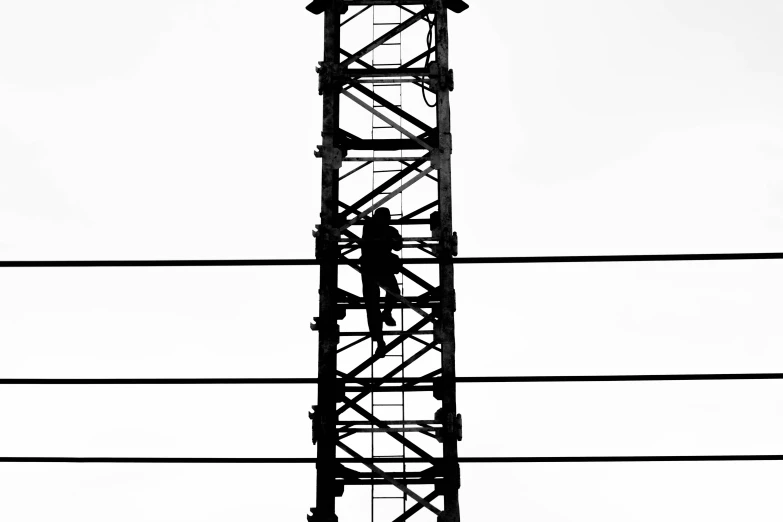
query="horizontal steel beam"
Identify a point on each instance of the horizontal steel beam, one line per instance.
(389, 81)
(389, 422)
(404, 239)
(394, 389)
(385, 332)
(370, 159)
(386, 144)
(382, 73)
(383, 482)
(385, 430)
(385, 2)
(425, 473)
(396, 305)
(457, 6)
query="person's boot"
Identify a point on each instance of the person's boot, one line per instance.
(380, 346)
(388, 320)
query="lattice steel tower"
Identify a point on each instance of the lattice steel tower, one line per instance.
(386, 415)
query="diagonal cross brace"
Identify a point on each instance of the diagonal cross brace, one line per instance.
(378, 114)
(390, 479)
(420, 210)
(385, 38)
(416, 279)
(396, 110)
(398, 369)
(378, 190)
(354, 170)
(371, 68)
(396, 436)
(417, 58)
(403, 300)
(391, 195)
(415, 509)
(400, 338)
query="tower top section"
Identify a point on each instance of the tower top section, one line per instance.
(319, 6)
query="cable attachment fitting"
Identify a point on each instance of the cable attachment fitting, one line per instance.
(449, 300)
(454, 244)
(439, 79)
(456, 426)
(435, 227)
(318, 423)
(452, 425)
(339, 391)
(328, 327)
(443, 152)
(444, 147)
(316, 324)
(332, 156)
(437, 331)
(330, 77)
(325, 240)
(448, 245)
(437, 389)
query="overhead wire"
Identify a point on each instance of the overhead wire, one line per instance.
(623, 258)
(312, 460)
(369, 380)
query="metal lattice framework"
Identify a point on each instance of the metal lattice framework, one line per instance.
(350, 421)
(426, 471)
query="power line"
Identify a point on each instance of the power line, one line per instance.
(624, 378)
(311, 460)
(159, 460)
(368, 380)
(150, 381)
(408, 261)
(643, 458)
(621, 258)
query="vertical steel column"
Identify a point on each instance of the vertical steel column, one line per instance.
(447, 251)
(327, 251)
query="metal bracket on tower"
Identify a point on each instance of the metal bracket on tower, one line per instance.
(332, 155)
(330, 77)
(440, 79)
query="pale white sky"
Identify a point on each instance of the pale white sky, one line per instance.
(185, 129)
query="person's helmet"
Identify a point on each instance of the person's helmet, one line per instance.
(382, 215)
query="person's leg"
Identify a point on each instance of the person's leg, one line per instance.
(389, 281)
(372, 293)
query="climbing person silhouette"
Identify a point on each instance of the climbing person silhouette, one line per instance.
(379, 265)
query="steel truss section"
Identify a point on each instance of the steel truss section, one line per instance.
(347, 416)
